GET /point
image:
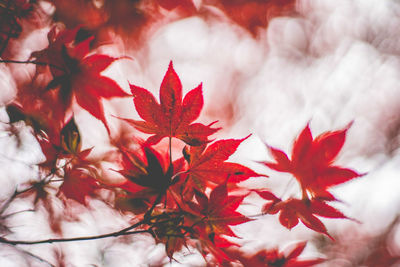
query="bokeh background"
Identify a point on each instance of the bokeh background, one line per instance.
(268, 67)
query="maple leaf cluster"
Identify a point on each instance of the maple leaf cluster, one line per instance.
(11, 12)
(14, 15)
(137, 18)
(181, 186)
(311, 164)
(190, 199)
(274, 257)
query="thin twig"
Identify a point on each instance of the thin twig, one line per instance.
(36, 257)
(14, 195)
(148, 213)
(63, 240)
(170, 150)
(32, 62)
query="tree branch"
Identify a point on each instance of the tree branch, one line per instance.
(32, 62)
(63, 240)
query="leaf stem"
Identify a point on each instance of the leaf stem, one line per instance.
(148, 213)
(170, 149)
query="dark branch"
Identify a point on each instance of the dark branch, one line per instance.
(33, 62)
(62, 240)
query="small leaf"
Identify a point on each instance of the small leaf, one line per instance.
(70, 137)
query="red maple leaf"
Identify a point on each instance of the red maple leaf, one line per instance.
(312, 162)
(56, 139)
(186, 6)
(148, 177)
(76, 74)
(52, 55)
(211, 217)
(170, 229)
(79, 174)
(79, 12)
(253, 14)
(172, 117)
(38, 110)
(215, 215)
(11, 14)
(274, 258)
(67, 146)
(208, 165)
(294, 210)
(64, 144)
(78, 184)
(41, 192)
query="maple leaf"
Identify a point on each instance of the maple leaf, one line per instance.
(55, 143)
(78, 12)
(37, 189)
(71, 145)
(170, 229)
(172, 117)
(215, 215)
(40, 111)
(217, 248)
(211, 217)
(253, 14)
(149, 172)
(47, 126)
(11, 13)
(41, 192)
(294, 210)
(148, 177)
(52, 55)
(186, 6)
(126, 17)
(78, 75)
(274, 258)
(312, 162)
(208, 164)
(78, 184)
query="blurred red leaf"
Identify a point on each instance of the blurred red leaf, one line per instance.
(78, 184)
(11, 14)
(274, 258)
(77, 75)
(253, 14)
(182, 4)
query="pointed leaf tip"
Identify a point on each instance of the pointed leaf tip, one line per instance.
(297, 250)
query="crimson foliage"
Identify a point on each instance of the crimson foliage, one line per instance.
(191, 199)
